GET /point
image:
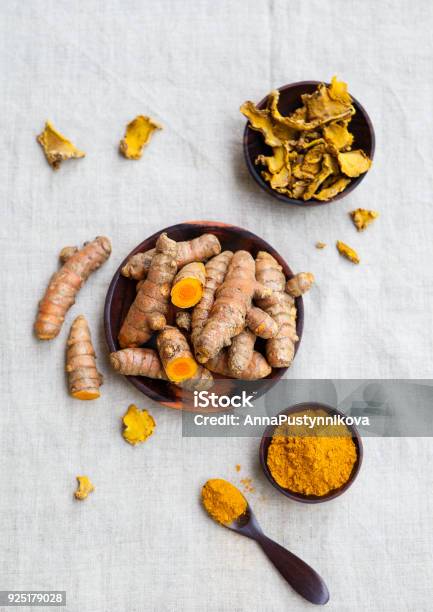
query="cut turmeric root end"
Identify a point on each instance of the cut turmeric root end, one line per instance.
(187, 293)
(181, 368)
(86, 395)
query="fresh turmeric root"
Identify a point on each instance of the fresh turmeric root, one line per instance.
(138, 362)
(232, 303)
(177, 360)
(149, 310)
(300, 284)
(146, 362)
(65, 284)
(188, 285)
(184, 320)
(84, 378)
(216, 269)
(261, 324)
(257, 368)
(240, 352)
(198, 249)
(280, 350)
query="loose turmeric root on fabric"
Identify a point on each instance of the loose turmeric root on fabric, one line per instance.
(84, 488)
(188, 285)
(216, 269)
(65, 284)
(280, 350)
(83, 376)
(149, 310)
(57, 148)
(198, 249)
(232, 303)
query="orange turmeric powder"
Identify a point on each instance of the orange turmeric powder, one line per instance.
(311, 461)
(223, 501)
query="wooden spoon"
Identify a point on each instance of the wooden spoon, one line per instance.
(301, 577)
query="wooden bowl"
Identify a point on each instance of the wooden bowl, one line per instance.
(310, 499)
(290, 99)
(122, 291)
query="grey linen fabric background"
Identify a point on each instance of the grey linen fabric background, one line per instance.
(142, 541)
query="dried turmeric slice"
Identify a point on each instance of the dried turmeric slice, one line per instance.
(84, 487)
(338, 91)
(348, 252)
(137, 135)
(332, 190)
(320, 245)
(362, 218)
(337, 135)
(139, 425)
(354, 163)
(261, 121)
(188, 285)
(275, 162)
(57, 148)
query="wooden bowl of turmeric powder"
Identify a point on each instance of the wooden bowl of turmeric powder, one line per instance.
(122, 292)
(313, 455)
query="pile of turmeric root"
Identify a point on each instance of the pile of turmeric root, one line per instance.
(206, 307)
(218, 303)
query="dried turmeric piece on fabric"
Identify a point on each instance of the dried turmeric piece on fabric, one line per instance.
(84, 487)
(354, 163)
(57, 148)
(137, 135)
(348, 252)
(139, 425)
(320, 245)
(362, 218)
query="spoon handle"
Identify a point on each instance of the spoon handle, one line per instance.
(301, 577)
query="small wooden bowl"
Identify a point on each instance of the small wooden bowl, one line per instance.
(122, 291)
(310, 499)
(290, 99)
